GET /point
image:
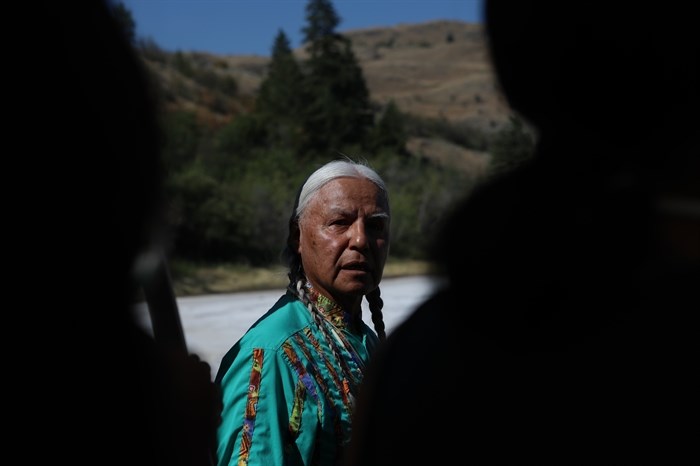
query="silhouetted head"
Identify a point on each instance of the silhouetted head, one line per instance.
(99, 150)
(622, 72)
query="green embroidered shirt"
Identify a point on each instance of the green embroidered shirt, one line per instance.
(287, 398)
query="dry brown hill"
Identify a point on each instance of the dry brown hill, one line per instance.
(437, 69)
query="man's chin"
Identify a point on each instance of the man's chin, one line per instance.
(358, 286)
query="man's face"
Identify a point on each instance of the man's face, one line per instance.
(344, 239)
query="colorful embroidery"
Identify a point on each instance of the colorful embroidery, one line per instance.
(333, 410)
(304, 377)
(251, 407)
(339, 320)
(329, 366)
(330, 310)
(297, 409)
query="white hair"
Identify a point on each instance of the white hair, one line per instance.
(331, 171)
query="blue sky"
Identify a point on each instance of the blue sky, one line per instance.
(249, 27)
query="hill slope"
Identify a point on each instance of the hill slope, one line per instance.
(438, 69)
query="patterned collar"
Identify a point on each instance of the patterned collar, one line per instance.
(332, 311)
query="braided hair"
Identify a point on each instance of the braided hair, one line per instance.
(297, 277)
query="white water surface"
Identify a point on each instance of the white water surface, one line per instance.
(213, 323)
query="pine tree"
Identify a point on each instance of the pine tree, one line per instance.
(338, 112)
(280, 99)
(281, 91)
(319, 33)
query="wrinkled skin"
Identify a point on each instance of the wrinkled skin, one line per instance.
(344, 240)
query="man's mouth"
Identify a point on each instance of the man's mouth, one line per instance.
(361, 266)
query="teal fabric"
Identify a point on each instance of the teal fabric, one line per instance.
(286, 396)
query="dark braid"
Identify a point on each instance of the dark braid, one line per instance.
(375, 307)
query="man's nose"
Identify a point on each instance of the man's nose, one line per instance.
(358, 235)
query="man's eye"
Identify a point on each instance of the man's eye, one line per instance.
(377, 226)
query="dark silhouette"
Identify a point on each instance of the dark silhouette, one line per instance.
(84, 383)
(568, 330)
